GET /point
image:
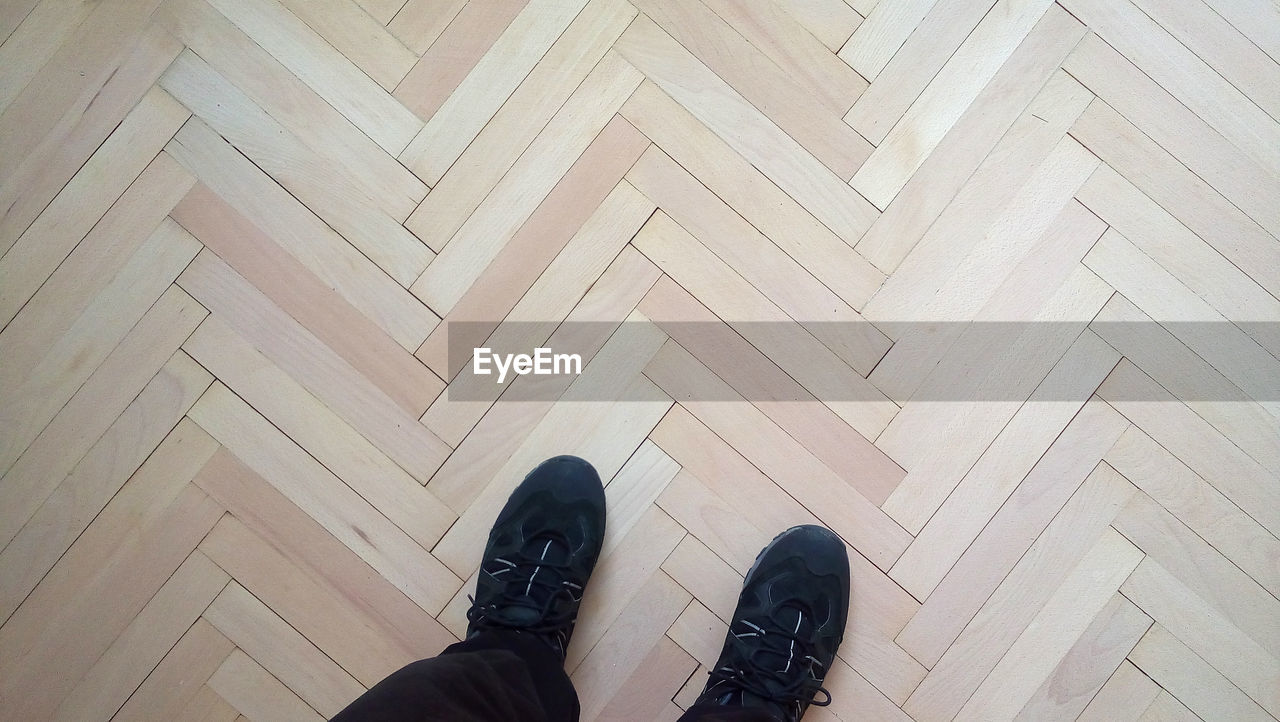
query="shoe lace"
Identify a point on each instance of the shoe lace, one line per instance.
(530, 581)
(797, 684)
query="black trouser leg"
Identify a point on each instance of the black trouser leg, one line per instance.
(496, 676)
(717, 713)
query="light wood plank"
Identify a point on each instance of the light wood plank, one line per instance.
(878, 38)
(359, 37)
(526, 185)
(319, 65)
(419, 23)
(303, 234)
(1064, 617)
(315, 489)
(1203, 629)
(774, 90)
(747, 130)
(494, 78)
(748, 191)
(307, 175)
(1189, 678)
(1125, 696)
(767, 327)
(1095, 657)
(647, 693)
(255, 693)
(830, 21)
(451, 36)
(282, 651)
(317, 367)
(520, 120)
(180, 676)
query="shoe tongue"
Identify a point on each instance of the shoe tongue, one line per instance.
(520, 615)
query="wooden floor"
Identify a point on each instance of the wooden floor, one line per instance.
(234, 232)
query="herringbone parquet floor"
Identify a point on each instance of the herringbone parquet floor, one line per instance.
(244, 476)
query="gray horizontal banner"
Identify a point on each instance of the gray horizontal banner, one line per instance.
(831, 361)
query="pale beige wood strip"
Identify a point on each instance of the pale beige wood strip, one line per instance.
(1198, 505)
(1204, 571)
(1189, 377)
(1067, 553)
(749, 192)
(79, 132)
(1007, 276)
(1183, 254)
(1092, 660)
(73, 504)
(1188, 318)
(487, 231)
(622, 575)
(774, 29)
(490, 83)
(381, 10)
(1001, 466)
(262, 262)
(945, 99)
(90, 270)
(1030, 76)
(93, 409)
(1180, 192)
(1020, 353)
(550, 300)
(293, 103)
(1184, 75)
(180, 676)
(878, 39)
(964, 222)
(521, 118)
(1125, 696)
(86, 198)
(255, 693)
(1167, 708)
(632, 491)
(603, 417)
(451, 36)
(314, 365)
(830, 21)
(315, 489)
(514, 271)
(309, 176)
(796, 109)
(319, 65)
(1057, 480)
(766, 326)
(778, 455)
(1256, 19)
(135, 507)
(314, 582)
(699, 632)
(311, 425)
(735, 509)
(862, 7)
(300, 232)
(419, 23)
(1065, 616)
(58, 633)
(628, 642)
(1205, 631)
(359, 37)
(34, 41)
(1189, 678)
(83, 63)
(282, 651)
(504, 426)
(1195, 442)
(1230, 170)
(775, 274)
(73, 356)
(748, 131)
(12, 13)
(146, 641)
(912, 68)
(647, 693)
(758, 380)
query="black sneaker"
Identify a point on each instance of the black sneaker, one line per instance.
(540, 554)
(789, 622)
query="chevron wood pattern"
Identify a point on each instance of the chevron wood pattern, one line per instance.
(244, 478)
